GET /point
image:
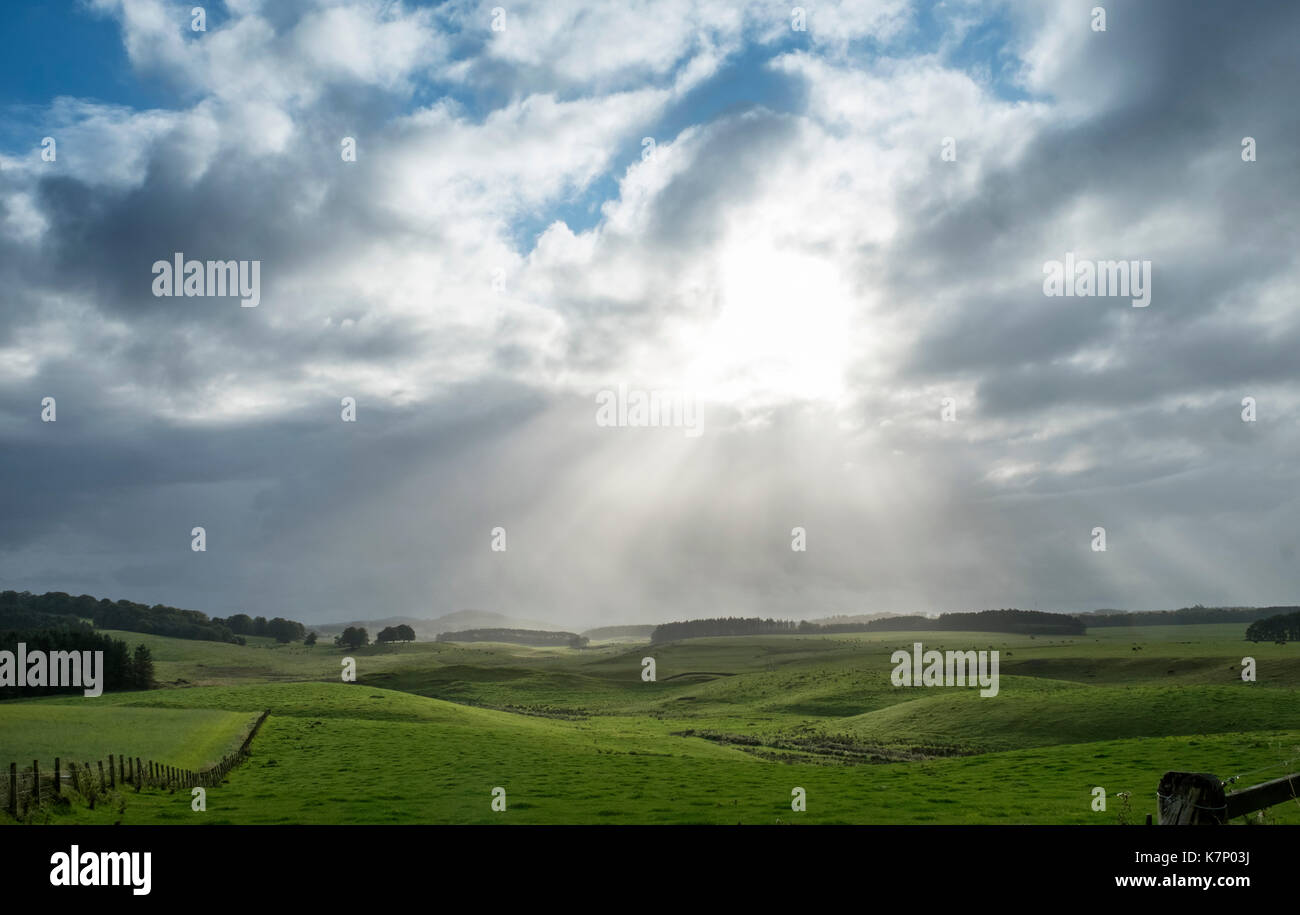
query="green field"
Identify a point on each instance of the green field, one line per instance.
(728, 730)
(189, 738)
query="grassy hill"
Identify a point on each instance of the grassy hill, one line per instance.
(727, 730)
(190, 738)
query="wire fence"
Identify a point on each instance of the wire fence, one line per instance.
(28, 787)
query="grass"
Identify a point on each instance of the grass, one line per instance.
(726, 732)
(184, 737)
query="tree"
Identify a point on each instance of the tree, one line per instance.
(116, 672)
(240, 624)
(1281, 628)
(142, 667)
(310, 639)
(399, 633)
(353, 637)
(283, 630)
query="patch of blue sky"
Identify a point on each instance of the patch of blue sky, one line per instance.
(985, 49)
(60, 48)
(743, 82)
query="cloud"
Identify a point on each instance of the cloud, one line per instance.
(809, 266)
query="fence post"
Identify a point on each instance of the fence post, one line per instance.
(13, 788)
(103, 785)
(56, 776)
(139, 769)
(36, 781)
(112, 777)
(1191, 798)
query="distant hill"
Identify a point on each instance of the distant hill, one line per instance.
(427, 630)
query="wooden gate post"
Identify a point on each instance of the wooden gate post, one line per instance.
(1191, 798)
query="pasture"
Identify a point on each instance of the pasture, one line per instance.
(726, 732)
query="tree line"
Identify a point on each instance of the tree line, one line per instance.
(22, 609)
(1285, 627)
(1025, 622)
(358, 637)
(1021, 622)
(536, 637)
(278, 628)
(123, 669)
(1182, 616)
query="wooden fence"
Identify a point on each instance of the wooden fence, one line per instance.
(1198, 798)
(24, 788)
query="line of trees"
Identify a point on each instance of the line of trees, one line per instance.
(55, 608)
(1182, 616)
(1026, 622)
(620, 632)
(536, 637)
(1285, 627)
(398, 633)
(278, 628)
(723, 626)
(122, 670)
(1022, 622)
(24, 610)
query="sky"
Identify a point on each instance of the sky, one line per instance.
(822, 232)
